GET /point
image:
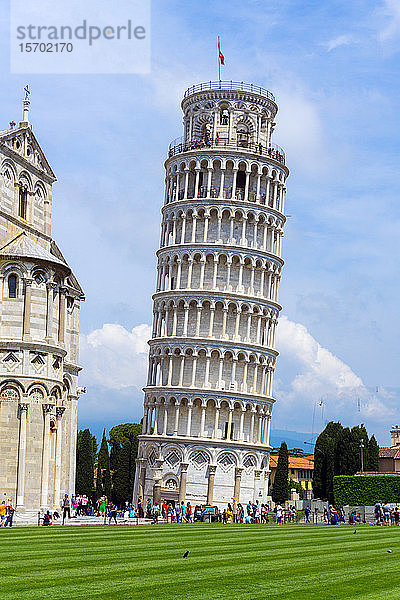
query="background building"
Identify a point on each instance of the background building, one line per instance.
(389, 457)
(301, 469)
(208, 400)
(39, 332)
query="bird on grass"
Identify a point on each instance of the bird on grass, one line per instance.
(186, 554)
(355, 531)
(390, 551)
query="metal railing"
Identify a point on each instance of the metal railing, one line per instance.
(229, 85)
(179, 145)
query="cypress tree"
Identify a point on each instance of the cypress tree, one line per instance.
(85, 456)
(325, 460)
(373, 454)
(103, 479)
(124, 447)
(280, 487)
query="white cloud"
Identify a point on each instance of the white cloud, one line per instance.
(115, 367)
(392, 29)
(320, 375)
(114, 357)
(299, 128)
(340, 40)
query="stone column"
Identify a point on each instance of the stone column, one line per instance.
(27, 308)
(61, 316)
(57, 478)
(211, 325)
(179, 273)
(157, 491)
(268, 429)
(241, 428)
(51, 286)
(229, 428)
(183, 233)
(44, 495)
(165, 423)
(210, 488)
(216, 422)
(22, 413)
(257, 475)
(182, 483)
(142, 476)
(189, 420)
(251, 440)
(181, 370)
(202, 420)
(176, 427)
(73, 411)
(221, 185)
(236, 489)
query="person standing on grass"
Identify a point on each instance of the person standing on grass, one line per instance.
(307, 512)
(112, 514)
(2, 513)
(10, 510)
(386, 514)
(140, 507)
(279, 514)
(178, 512)
(183, 512)
(189, 512)
(164, 510)
(156, 511)
(66, 507)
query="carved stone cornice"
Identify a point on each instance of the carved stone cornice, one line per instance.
(217, 295)
(227, 249)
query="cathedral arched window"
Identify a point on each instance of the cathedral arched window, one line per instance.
(23, 201)
(12, 286)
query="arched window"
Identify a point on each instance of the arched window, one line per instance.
(224, 116)
(242, 136)
(23, 201)
(12, 286)
(241, 180)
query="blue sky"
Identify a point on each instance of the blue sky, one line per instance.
(333, 67)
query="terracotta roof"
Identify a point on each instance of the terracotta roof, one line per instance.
(24, 247)
(295, 462)
(386, 452)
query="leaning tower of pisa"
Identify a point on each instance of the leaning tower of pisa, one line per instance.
(208, 399)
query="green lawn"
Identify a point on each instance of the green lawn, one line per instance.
(226, 562)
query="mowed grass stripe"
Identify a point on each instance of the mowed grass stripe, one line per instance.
(146, 562)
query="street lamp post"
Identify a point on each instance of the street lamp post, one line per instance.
(362, 455)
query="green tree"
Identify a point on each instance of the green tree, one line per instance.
(344, 462)
(103, 479)
(124, 447)
(324, 461)
(86, 450)
(280, 487)
(373, 454)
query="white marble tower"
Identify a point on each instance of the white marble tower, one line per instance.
(208, 399)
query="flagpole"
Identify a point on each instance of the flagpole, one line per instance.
(219, 65)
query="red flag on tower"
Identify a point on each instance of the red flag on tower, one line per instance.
(220, 55)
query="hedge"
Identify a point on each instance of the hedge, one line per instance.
(365, 490)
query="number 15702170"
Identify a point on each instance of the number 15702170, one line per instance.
(46, 47)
